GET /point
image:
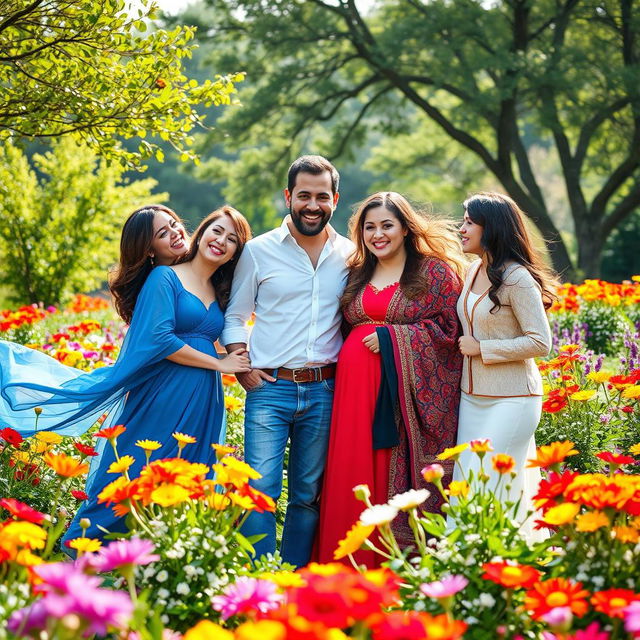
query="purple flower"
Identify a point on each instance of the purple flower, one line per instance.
(445, 587)
(31, 618)
(125, 554)
(247, 595)
(632, 618)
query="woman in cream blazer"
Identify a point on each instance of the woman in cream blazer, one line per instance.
(502, 311)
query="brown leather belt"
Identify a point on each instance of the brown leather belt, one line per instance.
(304, 374)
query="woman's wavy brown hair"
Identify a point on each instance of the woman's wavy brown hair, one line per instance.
(128, 276)
(223, 276)
(505, 239)
(427, 237)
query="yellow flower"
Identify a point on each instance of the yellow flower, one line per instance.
(19, 533)
(218, 501)
(569, 347)
(260, 630)
(183, 438)
(562, 513)
(635, 522)
(122, 465)
(81, 545)
(585, 394)
(38, 447)
(28, 559)
(244, 502)
(49, 437)
(592, 521)
(631, 392)
(232, 403)
(222, 450)
(283, 579)
(325, 569)
(599, 377)
(166, 495)
(21, 456)
(458, 488)
(207, 630)
(234, 471)
(635, 449)
(626, 534)
(354, 539)
(66, 466)
(453, 452)
(148, 445)
(481, 446)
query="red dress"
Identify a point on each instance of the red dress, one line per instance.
(351, 459)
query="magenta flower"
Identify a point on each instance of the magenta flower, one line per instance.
(559, 618)
(632, 619)
(592, 632)
(31, 618)
(125, 554)
(246, 596)
(444, 588)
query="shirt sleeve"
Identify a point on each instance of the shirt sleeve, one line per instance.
(242, 302)
(535, 341)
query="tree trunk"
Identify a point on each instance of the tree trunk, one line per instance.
(590, 246)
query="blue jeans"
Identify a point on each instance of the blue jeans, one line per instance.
(276, 412)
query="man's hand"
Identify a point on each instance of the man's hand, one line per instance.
(252, 379)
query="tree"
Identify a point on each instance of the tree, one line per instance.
(86, 68)
(60, 219)
(492, 77)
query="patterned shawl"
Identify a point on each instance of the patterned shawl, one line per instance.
(424, 334)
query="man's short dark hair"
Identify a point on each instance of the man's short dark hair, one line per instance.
(315, 165)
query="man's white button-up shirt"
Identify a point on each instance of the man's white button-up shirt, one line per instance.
(298, 318)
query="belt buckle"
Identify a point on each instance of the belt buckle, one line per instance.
(296, 372)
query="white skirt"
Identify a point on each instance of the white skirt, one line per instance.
(510, 424)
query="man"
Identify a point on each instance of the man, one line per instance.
(292, 277)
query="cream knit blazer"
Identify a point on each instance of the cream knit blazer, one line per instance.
(510, 338)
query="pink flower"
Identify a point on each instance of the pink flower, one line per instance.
(124, 554)
(632, 619)
(246, 596)
(559, 618)
(444, 588)
(592, 632)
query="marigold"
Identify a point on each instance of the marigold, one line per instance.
(48, 437)
(183, 439)
(66, 466)
(556, 592)
(148, 445)
(434, 472)
(614, 459)
(561, 514)
(85, 450)
(458, 488)
(82, 545)
(552, 454)
(228, 379)
(235, 472)
(22, 511)
(261, 501)
(207, 630)
(481, 445)
(592, 521)
(631, 392)
(584, 395)
(167, 495)
(626, 534)
(599, 377)
(554, 404)
(111, 433)
(354, 539)
(552, 487)
(218, 501)
(612, 602)
(502, 463)
(21, 534)
(453, 452)
(635, 449)
(222, 450)
(122, 465)
(231, 403)
(510, 575)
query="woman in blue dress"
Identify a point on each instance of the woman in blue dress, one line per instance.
(166, 379)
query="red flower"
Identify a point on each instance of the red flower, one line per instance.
(627, 409)
(614, 458)
(554, 404)
(612, 601)
(553, 486)
(85, 449)
(22, 511)
(11, 436)
(111, 432)
(510, 575)
(79, 495)
(556, 592)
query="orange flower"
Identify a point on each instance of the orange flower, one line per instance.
(626, 534)
(554, 404)
(228, 379)
(66, 466)
(612, 601)
(552, 454)
(353, 540)
(111, 433)
(557, 592)
(502, 463)
(592, 521)
(510, 575)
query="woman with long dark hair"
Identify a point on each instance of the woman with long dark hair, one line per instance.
(166, 378)
(502, 311)
(398, 374)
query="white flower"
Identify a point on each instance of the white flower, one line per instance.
(486, 600)
(409, 499)
(162, 576)
(190, 571)
(378, 514)
(182, 588)
(163, 593)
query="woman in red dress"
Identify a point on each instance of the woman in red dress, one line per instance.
(397, 382)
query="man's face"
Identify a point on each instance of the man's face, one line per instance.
(311, 203)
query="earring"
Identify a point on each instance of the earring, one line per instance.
(153, 262)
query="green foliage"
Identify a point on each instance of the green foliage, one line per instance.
(60, 219)
(487, 85)
(88, 69)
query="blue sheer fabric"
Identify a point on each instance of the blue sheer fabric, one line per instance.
(150, 395)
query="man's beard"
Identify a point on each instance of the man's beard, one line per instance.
(303, 228)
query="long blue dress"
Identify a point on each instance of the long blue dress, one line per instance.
(150, 395)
